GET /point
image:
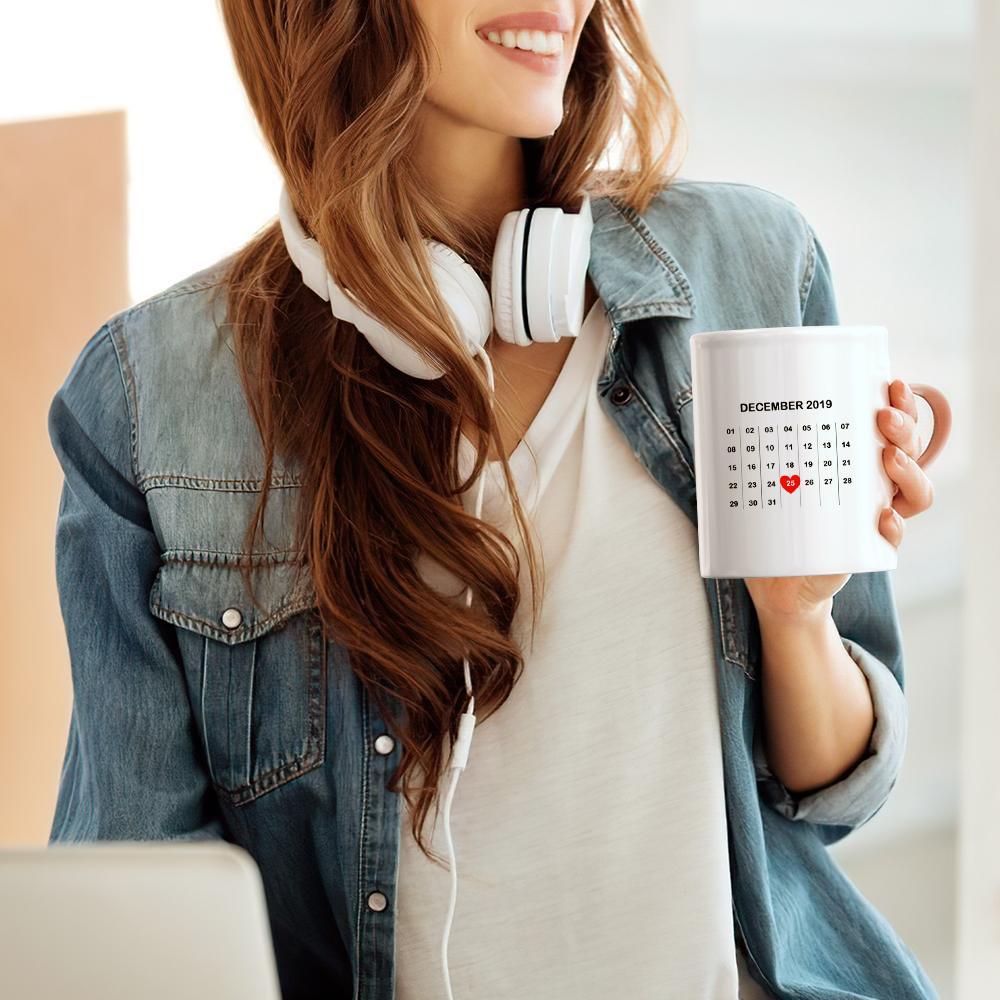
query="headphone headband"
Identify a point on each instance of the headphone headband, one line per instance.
(537, 286)
(306, 253)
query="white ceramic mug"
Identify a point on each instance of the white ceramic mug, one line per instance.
(788, 454)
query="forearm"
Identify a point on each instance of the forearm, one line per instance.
(818, 711)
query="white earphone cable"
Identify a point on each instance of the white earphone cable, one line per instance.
(463, 743)
(567, 248)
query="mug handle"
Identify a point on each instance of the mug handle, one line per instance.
(941, 409)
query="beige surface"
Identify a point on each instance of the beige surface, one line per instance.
(62, 273)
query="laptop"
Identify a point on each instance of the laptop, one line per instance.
(123, 920)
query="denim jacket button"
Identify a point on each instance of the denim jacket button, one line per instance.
(377, 901)
(621, 394)
(385, 744)
(232, 618)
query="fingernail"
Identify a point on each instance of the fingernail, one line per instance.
(899, 457)
(896, 418)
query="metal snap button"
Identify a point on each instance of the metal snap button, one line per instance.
(377, 901)
(384, 744)
(621, 394)
(232, 618)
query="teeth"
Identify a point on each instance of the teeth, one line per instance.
(543, 42)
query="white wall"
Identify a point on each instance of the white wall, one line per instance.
(979, 864)
(892, 18)
(200, 179)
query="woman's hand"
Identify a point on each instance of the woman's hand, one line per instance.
(791, 597)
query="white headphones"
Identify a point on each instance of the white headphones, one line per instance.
(540, 262)
(540, 265)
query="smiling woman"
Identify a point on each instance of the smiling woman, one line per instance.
(268, 525)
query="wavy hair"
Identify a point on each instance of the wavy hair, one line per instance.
(336, 87)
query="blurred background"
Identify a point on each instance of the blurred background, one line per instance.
(129, 159)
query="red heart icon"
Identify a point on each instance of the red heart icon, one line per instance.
(790, 483)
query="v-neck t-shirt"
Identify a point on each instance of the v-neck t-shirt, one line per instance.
(589, 823)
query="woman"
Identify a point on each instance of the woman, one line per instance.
(267, 529)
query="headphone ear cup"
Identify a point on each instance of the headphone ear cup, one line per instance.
(504, 280)
(464, 294)
(385, 342)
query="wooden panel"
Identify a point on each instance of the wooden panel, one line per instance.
(62, 273)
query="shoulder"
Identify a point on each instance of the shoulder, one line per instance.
(738, 230)
(166, 367)
(703, 206)
(179, 325)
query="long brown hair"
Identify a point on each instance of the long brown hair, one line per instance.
(335, 87)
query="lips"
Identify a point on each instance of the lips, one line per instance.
(535, 20)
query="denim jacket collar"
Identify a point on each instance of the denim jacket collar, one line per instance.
(654, 283)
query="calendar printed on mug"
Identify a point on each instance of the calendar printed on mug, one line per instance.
(796, 452)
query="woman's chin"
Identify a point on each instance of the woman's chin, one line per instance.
(534, 125)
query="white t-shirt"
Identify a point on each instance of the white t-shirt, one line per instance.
(589, 823)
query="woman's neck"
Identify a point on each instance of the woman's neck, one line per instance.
(473, 172)
(524, 376)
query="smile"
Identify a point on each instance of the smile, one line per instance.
(535, 39)
(543, 43)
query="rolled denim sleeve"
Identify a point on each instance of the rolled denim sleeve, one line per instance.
(857, 797)
(864, 611)
(132, 768)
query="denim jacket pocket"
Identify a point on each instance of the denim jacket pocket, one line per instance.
(256, 675)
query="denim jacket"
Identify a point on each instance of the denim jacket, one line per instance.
(196, 714)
